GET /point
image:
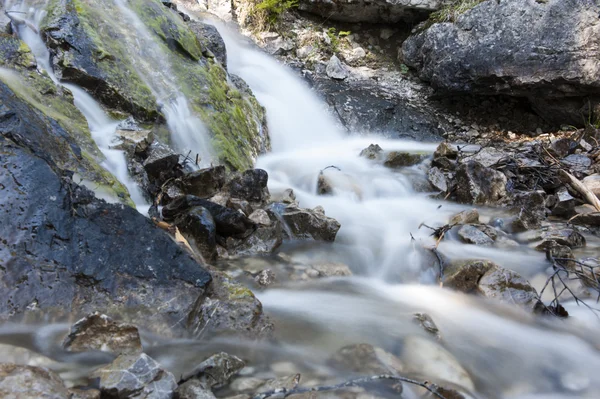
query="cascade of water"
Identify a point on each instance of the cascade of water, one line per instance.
(102, 127)
(187, 130)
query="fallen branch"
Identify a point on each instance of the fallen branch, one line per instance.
(285, 392)
(580, 188)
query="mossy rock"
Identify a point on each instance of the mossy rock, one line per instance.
(86, 50)
(90, 49)
(73, 147)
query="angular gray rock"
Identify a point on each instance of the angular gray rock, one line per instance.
(472, 235)
(336, 69)
(476, 184)
(216, 370)
(306, 224)
(204, 183)
(397, 159)
(136, 376)
(28, 382)
(228, 308)
(373, 151)
(437, 179)
(499, 47)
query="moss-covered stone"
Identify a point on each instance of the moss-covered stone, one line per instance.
(94, 51)
(76, 152)
(86, 50)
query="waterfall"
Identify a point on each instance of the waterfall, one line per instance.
(101, 126)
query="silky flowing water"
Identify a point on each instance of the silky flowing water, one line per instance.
(506, 352)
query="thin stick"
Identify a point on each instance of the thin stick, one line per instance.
(581, 189)
(285, 392)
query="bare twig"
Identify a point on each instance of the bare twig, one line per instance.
(284, 392)
(580, 188)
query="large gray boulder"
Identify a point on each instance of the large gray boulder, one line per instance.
(375, 11)
(547, 51)
(27, 382)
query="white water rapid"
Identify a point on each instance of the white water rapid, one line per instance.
(102, 127)
(508, 352)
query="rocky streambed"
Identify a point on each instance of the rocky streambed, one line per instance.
(428, 227)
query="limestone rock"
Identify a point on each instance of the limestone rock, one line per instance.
(437, 179)
(336, 69)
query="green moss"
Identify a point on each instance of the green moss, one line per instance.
(451, 11)
(108, 59)
(39, 91)
(237, 291)
(168, 26)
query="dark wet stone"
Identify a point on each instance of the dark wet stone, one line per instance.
(472, 235)
(306, 224)
(198, 227)
(204, 183)
(251, 185)
(210, 38)
(397, 159)
(229, 222)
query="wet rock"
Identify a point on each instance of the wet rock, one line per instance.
(472, 235)
(427, 323)
(247, 384)
(74, 253)
(265, 278)
(135, 376)
(366, 359)
(306, 224)
(565, 203)
(444, 164)
(210, 38)
(324, 185)
(264, 240)
(331, 269)
(577, 162)
(286, 382)
(555, 251)
(446, 150)
(593, 184)
(216, 371)
(286, 197)
(228, 308)
(228, 221)
(488, 156)
(193, 389)
(425, 357)
(378, 11)
(204, 183)
(437, 179)
(160, 162)
(563, 147)
(198, 227)
(476, 184)
(28, 382)
(563, 236)
(373, 151)
(261, 217)
(100, 332)
(586, 215)
(397, 159)
(464, 276)
(531, 208)
(465, 217)
(278, 45)
(556, 84)
(240, 205)
(491, 281)
(251, 185)
(508, 287)
(336, 69)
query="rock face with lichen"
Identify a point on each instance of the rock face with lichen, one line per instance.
(487, 50)
(99, 54)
